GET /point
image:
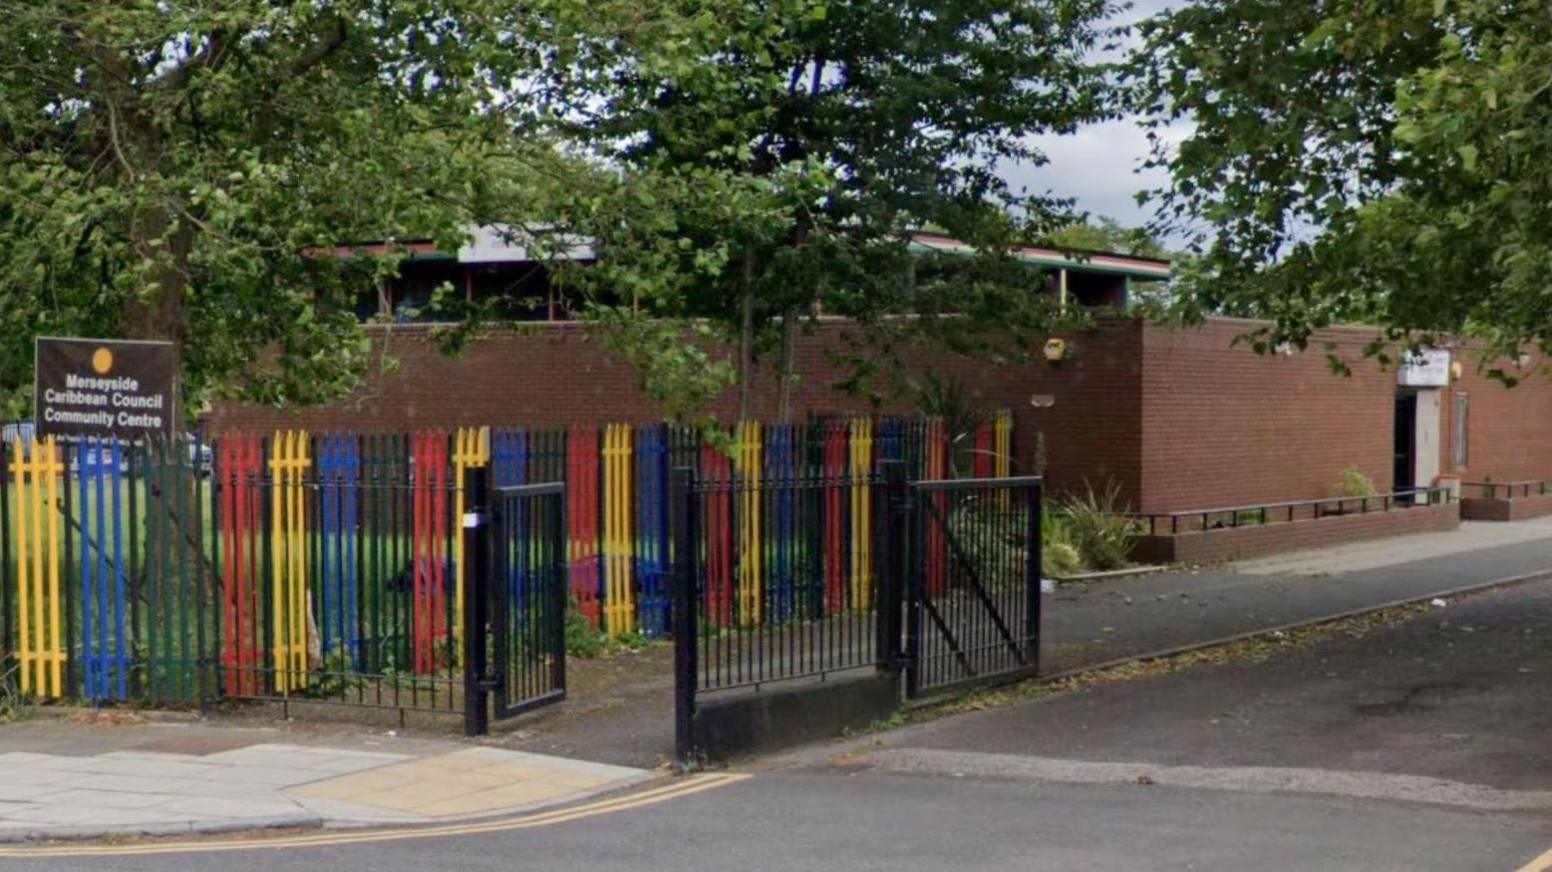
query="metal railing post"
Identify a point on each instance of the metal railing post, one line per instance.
(7, 629)
(899, 560)
(686, 543)
(1032, 573)
(476, 552)
(912, 593)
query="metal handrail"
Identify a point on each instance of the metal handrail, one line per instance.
(1511, 489)
(1233, 516)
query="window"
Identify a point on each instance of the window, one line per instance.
(1461, 453)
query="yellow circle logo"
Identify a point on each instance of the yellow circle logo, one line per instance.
(102, 361)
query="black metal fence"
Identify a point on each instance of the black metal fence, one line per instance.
(1506, 490)
(794, 579)
(1197, 520)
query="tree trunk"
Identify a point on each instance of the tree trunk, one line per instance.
(159, 313)
(746, 356)
(786, 375)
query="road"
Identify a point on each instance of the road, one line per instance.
(1419, 746)
(839, 820)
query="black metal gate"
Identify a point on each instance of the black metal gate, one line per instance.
(945, 585)
(973, 592)
(517, 542)
(528, 619)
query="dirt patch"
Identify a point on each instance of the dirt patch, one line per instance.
(106, 718)
(618, 709)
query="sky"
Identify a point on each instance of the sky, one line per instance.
(1099, 166)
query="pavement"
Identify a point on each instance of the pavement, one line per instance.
(78, 780)
(1088, 624)
(1411, 746)
(1376, 553)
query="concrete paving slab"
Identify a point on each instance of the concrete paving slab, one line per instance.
(109, 799)
(132, 790)
(339, 813)
(25, 788)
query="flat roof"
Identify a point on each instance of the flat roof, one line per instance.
(1086, 261)
(498, 244)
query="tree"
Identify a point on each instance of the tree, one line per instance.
(771, 168)
(1362, 161)
(166, 166)
(1108, 235)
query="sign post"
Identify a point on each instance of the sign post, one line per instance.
(105, 387)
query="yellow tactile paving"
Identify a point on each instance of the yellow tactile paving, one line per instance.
(454, 784)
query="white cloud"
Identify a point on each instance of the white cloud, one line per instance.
(1100, 166)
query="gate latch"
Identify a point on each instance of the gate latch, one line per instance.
(472, 520)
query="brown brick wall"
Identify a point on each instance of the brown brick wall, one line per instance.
(1515, 509)
(555, 375)
(1223, 426)
(1235, 543)
(1509, 430)
(1180, 419)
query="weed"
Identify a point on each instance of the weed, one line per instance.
(582, 638)
(10, 697)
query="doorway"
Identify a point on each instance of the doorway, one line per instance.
(1404, 455)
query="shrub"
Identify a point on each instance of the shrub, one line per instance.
(582, 638)
(991, 539)
(1099, 528)
(1058, 559)
(1058, 556)
(1353, 483)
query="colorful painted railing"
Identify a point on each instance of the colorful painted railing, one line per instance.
(329, 565)
(40, 599)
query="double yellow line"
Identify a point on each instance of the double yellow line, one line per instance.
(1541, 864)
(678, 788)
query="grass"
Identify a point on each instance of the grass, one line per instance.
(127, 511)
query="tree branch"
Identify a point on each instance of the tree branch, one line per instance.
(320, 50)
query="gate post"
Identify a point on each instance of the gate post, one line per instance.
(685, 520)
(895, 564)
(476, 553)
(914, 518)
(1032, 573)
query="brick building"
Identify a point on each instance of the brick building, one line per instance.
(1178, 418)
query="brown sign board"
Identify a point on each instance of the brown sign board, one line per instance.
(104, 387)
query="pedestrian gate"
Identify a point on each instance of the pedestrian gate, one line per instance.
(517, 545)
(528, 619)
(973, 601)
